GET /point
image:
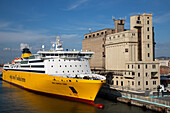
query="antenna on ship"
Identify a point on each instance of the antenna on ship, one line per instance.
(56, 44)
(43, 47)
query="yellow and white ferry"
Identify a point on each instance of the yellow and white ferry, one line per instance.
(57, 72)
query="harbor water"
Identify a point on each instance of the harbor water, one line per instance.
(17, 100)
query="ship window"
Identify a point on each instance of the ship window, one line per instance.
(63, 71)
(49, 60)
(65, 65)
(68, 71)
(53, 60)
(77, 70)
(56, 54)
(80, 65)
(70, 65)
(73, 71)
(75, 65)
(24, 62)
(82, 70)
(60, 65)
(52, 66)
(52, 54)
(59, 60)
(32, 57)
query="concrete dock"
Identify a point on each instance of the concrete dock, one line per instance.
(154, 104)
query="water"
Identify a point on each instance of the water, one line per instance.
(17, 100)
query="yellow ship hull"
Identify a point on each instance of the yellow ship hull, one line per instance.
(77, 89)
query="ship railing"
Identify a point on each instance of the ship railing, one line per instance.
(79, 76)
(69, 57)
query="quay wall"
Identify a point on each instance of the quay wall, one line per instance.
(137, 100)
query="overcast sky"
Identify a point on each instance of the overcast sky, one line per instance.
(37, 22)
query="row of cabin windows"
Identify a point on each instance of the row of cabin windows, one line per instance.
(68, 55)
(65, 60)
(146, 66)
(75, 71)
(71, 66)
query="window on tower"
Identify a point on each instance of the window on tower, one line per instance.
(148, 54)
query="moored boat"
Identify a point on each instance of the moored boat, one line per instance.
(57, 72)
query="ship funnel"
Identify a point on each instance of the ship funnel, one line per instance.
(26, 53)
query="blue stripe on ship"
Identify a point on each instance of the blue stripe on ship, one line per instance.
(25, 70)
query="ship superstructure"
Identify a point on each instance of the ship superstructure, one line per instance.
(58, 72)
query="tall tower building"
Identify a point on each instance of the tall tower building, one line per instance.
(143, 24)
(132, 53)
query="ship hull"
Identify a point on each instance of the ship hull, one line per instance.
(70, 88)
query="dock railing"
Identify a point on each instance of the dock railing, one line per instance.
(130, 95)
(145, 99)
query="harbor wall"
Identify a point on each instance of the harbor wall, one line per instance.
(136, 100)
